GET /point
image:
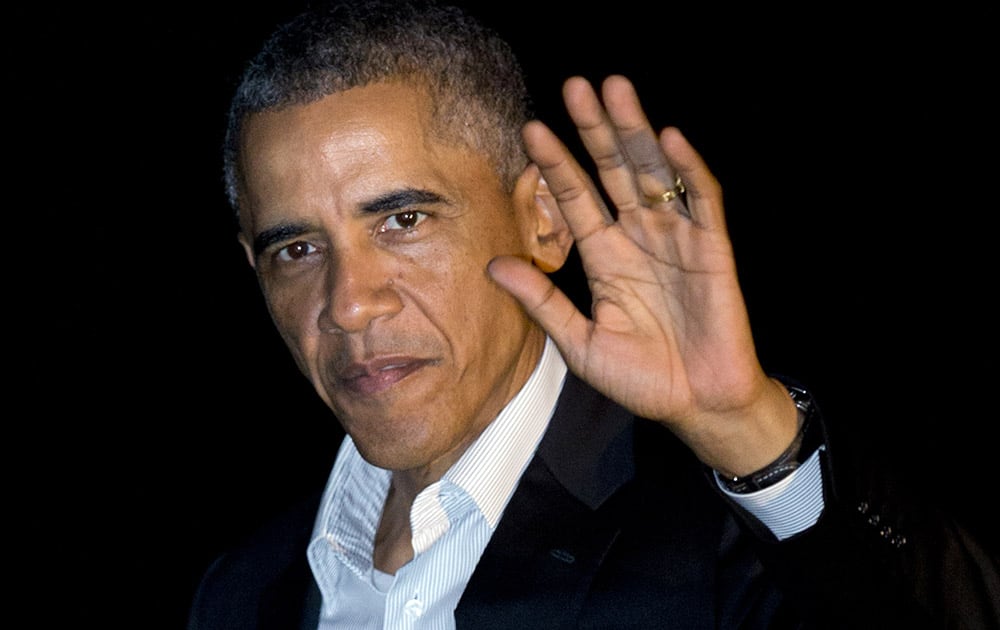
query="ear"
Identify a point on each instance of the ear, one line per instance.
(545, 230)
(247, 249)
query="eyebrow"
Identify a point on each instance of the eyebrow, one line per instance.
(399, 199)
(276, 234)
(389, 202)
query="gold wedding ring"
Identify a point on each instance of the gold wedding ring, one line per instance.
(674, 192)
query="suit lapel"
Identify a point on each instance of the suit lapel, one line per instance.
(290, 598)
(550, 542)
(560, 522)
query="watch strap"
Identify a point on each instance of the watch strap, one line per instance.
(790, 459)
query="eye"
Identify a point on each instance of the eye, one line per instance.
(403, 221)
(295, 251)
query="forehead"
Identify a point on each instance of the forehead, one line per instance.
(367, 118)
(348, 146)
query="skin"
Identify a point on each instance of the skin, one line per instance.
(418, 315)
(669, 335)
(370, 239)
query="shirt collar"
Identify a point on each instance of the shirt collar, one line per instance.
(492, 465)
(488, 471)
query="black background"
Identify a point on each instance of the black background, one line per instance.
(161, 419)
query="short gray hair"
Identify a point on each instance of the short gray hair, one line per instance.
(476, 83)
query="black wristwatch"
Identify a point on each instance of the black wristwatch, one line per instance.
(788, 461)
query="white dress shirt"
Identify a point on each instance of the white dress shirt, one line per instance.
(453, 519)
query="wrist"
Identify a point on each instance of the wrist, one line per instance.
(788, 461)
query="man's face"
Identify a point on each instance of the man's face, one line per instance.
(370, 239)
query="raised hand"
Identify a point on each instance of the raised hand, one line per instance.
(668, 336)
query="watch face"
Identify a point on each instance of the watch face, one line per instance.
(802, 398)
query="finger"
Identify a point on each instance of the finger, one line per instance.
(654, 174)
(578, 199)
(543, 302)
(601, 140)
(703, 193)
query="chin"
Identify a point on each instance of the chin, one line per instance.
(400, 444)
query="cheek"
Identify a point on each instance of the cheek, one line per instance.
(474, 312)
(481, 301)
(293, 308)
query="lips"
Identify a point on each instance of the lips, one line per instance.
(378, 375)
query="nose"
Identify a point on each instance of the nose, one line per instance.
(360, 289)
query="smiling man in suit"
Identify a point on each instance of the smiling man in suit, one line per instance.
(511, 462)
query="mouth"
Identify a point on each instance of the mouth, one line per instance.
(378, 375)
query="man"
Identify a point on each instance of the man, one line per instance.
(510, 461)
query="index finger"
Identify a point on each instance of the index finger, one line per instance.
(621, 141)
(579, 200)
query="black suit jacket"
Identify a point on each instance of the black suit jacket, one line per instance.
(616, 525)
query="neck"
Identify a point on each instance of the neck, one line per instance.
(410, 482)
(394, 540)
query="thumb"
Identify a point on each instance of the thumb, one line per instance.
(543, 301)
